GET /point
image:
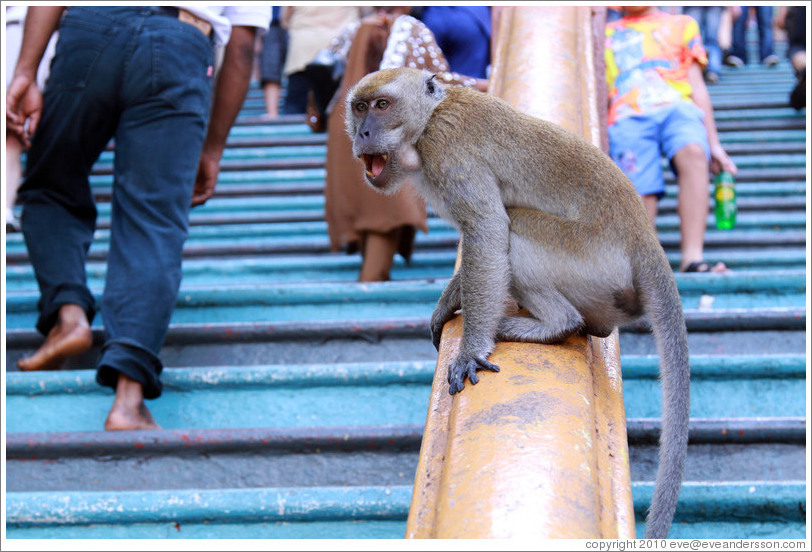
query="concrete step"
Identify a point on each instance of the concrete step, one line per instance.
(706, 509)
(757, 449)
(352, 301)
(729, 332)
(266, 513)
(765, 449)
(303, 201)
(270, 239)
(249, 234)
(341, 395)
(729, 510)
(424, 265)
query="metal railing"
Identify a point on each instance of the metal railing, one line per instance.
(538, 450)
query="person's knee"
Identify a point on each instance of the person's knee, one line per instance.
(691, 157)
(691, 151)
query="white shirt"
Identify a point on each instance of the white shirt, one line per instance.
(222, 18)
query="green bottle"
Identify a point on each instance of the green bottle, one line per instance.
(725, 195)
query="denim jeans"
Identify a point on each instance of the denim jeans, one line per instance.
(143, 79)
(764, 20)
(708, 18)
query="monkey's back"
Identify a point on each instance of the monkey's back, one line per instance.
(510, 145)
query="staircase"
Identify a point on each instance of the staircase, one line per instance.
(295, 398)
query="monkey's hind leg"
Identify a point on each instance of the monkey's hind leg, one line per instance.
(560, 320)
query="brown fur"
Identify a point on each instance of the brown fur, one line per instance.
(546, 218)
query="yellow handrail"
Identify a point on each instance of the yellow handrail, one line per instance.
(539, 449)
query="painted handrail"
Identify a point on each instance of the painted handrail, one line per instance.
(539, 449)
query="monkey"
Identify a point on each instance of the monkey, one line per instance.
(546, 218)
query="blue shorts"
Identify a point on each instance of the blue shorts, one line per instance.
(638, 143)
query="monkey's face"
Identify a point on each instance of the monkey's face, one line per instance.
(378, 142)
(386, 114)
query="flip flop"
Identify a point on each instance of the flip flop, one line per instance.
(701, 266)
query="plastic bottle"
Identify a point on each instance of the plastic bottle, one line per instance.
(725, 196)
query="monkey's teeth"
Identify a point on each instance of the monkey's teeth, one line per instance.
(374, 163)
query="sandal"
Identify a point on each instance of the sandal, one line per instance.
(703, 266)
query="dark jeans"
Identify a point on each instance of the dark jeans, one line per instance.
(272, 56)
(144, 79)
(764, 20)
(296, 94)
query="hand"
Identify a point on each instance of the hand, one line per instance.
(720, 161)
(23, 103)
(207, 170)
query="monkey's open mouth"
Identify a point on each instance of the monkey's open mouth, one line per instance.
(374, 163)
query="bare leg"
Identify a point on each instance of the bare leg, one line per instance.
(70, 336)
(128, 410)
(378, 251)
(650, 203)
(799, 60)
(693, 204)
(272, 90)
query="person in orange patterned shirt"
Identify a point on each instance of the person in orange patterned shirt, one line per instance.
(659, 105)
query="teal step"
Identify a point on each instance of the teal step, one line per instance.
(253, 239)
(705, 510)
(268, 238)
(341, 395)
(723, 510)
(265, 513)
(722, 386)
(374, 393)
(795, 135)
(350, 301)
(763, 189)
(744, 221)
(277, 233)
(772, 114)
(341, 267)
(236, 233)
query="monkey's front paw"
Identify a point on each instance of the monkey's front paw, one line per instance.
(461, 368)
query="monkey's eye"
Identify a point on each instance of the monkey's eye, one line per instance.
(361, 106)
(382, 104)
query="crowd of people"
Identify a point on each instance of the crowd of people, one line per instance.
(170, 120)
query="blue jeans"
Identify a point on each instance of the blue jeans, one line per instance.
(144, 79)
(708, 18)
(764, 20)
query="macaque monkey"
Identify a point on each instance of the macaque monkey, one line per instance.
(546, 218)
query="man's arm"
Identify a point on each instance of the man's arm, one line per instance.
(701, 97)
(24, 99)
(229, 94)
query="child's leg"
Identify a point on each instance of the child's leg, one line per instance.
(685, 143)
(692, 201)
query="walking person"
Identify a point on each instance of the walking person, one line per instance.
(143, 76)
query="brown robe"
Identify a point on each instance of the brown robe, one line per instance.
(353, 207)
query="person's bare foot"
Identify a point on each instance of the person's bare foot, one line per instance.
(70, 336)
(129, 411)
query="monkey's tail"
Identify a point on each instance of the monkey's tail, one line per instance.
(664, 310)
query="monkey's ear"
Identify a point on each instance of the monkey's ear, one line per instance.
(431, 86)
